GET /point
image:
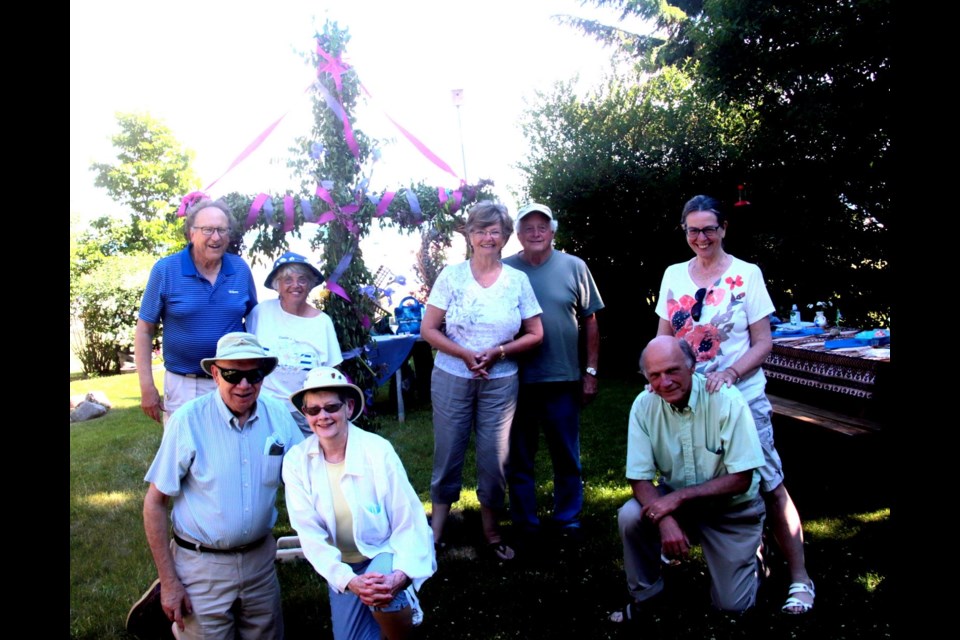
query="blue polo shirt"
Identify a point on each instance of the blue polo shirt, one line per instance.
(193, 312)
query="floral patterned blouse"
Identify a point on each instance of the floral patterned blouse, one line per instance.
(730, 305)
(479, 318)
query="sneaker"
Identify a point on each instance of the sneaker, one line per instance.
(415, 605)
(146, 619)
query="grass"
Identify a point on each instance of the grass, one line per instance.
(550, 592)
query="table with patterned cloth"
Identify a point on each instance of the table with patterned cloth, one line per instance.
(850, 379)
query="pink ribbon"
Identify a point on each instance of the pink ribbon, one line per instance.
(443, 197)
(338, 110)
(250, 149)
(287, 213)
(334, 66)
(422, 148)
(343, 213)
(255, 207)
(188, 201)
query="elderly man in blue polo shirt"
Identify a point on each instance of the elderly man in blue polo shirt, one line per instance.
(692, 460)
(219, 464)
(198, 295)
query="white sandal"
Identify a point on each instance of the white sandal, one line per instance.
(792, 602)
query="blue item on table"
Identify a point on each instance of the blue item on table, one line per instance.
(409, 315)
(874, 337)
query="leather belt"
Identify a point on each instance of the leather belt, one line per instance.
(197, 375)
(196, 546)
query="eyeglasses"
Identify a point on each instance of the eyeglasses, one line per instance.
(331, 409)
(301, 280)
(493, 235)
(234, 376)
(698, 307)
(208, 231)
(693, 232)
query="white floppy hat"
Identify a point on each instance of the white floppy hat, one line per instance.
(240, 346)
(327, 379)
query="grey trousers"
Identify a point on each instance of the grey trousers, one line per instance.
(461, 405)
(729, 538)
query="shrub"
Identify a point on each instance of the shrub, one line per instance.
(104, 305)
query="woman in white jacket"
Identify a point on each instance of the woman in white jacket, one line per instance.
(360, 523)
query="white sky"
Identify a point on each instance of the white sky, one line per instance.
(218, 72)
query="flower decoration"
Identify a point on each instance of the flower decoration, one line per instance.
(820, 306)
(738, 282)
(375, 292)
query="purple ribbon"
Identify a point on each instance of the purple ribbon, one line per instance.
(337, 273)
(338, 111)
(255, 209)
(308, 214)
(287, 213)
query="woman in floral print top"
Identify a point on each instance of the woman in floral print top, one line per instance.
(720, 306)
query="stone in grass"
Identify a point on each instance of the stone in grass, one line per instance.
(87, 410)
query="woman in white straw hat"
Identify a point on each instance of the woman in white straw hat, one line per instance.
(360, 523)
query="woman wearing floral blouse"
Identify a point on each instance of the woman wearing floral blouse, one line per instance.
(720, 306)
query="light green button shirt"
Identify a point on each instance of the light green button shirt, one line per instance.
(712, 437)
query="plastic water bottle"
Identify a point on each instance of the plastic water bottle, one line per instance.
(794, 315)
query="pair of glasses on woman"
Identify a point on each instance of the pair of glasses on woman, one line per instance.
(234, 376)
(694, 232)
(330, 409)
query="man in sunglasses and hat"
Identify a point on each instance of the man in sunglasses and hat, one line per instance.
(219, 464)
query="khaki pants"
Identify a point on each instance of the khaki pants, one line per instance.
(234, 595)
(729, 538)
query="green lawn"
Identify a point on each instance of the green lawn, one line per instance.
(551, 592)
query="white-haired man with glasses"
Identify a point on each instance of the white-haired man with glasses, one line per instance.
(197, 295)
(219, 465)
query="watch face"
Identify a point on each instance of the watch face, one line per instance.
(591, 371)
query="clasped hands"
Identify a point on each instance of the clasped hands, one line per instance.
(376, 589)
(480, 362)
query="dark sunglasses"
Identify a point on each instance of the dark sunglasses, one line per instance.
(234, 376)
(331, 409)
(698, 307)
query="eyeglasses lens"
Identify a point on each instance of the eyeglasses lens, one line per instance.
(694, 232)
(331, 409)
(234, 376)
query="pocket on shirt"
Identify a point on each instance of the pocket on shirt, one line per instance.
(272, 467)
(374, 525)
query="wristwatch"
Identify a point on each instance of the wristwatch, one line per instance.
(591, 371)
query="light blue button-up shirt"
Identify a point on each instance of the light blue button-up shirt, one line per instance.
(222, 478)
(713, 436)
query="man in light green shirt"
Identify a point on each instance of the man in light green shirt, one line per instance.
(691, 461)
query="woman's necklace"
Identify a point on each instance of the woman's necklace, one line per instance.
(486, 278)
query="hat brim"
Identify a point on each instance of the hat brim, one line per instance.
(351, 391)
(268, 283)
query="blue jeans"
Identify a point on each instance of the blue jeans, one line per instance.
(554, 406)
